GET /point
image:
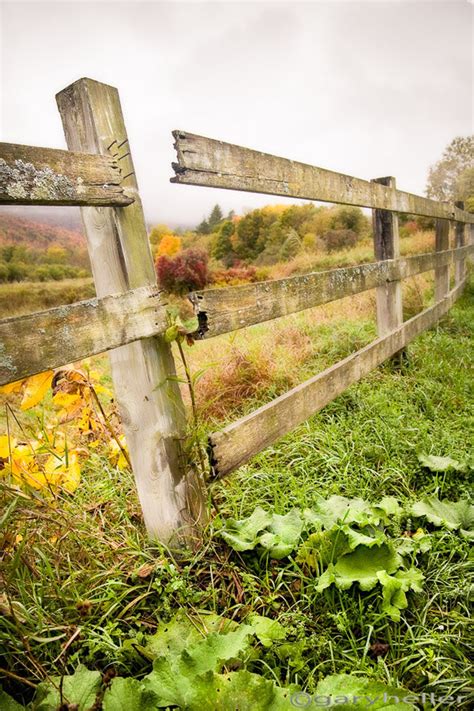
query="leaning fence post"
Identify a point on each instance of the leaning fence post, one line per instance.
(143, 372)
(459, 264)
(387, 246)
(441, 273)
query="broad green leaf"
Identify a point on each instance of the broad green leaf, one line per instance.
(172, 682)
(212, 652)
(267, 631)
(182, 631)
(174, 677)
(395, 587)
(366, 536)
(222, 692)
(394, 598)
(339, 509)
(9, 704)
(189, 325)
(351, 692)
(171, 333)
(312, 520)
(360, 566)
(388, 506)
(284, 534)
(441, 464)
(411, 579)
(242, 535)
(322, 548)
(128, 695)
(453, 515)
(80, 688)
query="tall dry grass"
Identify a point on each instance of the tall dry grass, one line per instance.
(27, 296)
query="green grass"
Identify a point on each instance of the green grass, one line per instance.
(28, 296)
(76, 589)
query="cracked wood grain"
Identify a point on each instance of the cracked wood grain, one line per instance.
(207, 162)
(170, 487)
(224, 310)
(45, 176)
(48, 339)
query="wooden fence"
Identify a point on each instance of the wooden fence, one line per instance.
(129, 315)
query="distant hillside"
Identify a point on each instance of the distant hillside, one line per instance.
(37, 235)
(40, 249)
(69, 218)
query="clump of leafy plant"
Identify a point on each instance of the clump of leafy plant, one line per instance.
(199, 662)
(347, 542)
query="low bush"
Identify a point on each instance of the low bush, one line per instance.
(185, 272)
(339, 239)
(234, 276)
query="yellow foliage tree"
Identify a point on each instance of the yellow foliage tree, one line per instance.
(169, 245)
(157, 232)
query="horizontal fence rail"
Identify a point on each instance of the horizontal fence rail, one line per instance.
(48, 339)
(207, 162)
(46, 176)
(223, 310)
(98, 174)
(244, 438)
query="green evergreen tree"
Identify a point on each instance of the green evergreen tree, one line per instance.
(223, 248)
(203, 228)
(215, 217)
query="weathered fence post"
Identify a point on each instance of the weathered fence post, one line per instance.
(441, 273)
(459, 264)
(143, 372)
(387, 246)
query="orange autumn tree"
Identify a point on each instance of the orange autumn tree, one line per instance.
(169, 246)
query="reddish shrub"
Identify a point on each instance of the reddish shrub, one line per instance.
(185, 272)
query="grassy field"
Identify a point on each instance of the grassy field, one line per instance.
(24, 297)
(27, 296)
(82, 584)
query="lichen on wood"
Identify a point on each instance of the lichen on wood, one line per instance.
(30, 175)
(23, 180)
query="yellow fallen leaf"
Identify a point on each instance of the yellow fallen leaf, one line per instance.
(14, 387)
(87, 421)
(72, 477)
(115, 454)
(22, 461)
(69, 404)
(30, 475)
(36, 388)
(7, 445)
(63, 471)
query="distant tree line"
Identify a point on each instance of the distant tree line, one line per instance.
(19, 263)
(278, 232)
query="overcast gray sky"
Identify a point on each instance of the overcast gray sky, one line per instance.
(365, 88)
